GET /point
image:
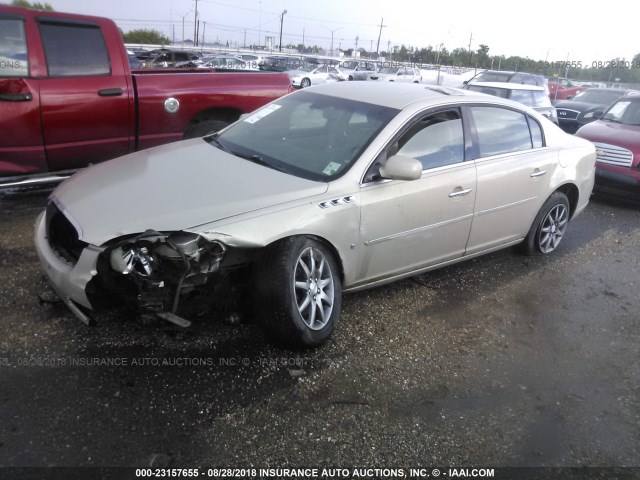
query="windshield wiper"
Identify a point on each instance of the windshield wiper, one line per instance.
(259, 160)
(612, 120)
(218, 143)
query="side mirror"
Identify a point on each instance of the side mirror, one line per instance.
(399, 167)
(465, 82)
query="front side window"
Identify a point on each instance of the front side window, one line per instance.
(500, 130)
(13, 48)
(436, 140)
(74, 50)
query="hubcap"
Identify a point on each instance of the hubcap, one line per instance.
(553, 227)
(313, 286)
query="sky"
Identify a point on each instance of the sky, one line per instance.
(544, 30)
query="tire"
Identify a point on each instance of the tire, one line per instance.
(305, 82)
(298, 292)
(205, 127)
(549, 226)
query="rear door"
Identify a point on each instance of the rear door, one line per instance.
(21, 145)
(514, 168)
(86, 101)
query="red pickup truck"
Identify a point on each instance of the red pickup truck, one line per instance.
(69, 99)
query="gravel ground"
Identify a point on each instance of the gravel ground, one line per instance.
(501, 361)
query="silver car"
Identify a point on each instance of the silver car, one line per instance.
(324, 191)
(529, 95)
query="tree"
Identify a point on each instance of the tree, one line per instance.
(34, 5)
(153, 37)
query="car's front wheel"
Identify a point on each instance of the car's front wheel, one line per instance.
(298, 292)
(549, 226)
(305, 82)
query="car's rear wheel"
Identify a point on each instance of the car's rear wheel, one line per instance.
(305, 82)
(549, 226)
(298, 292)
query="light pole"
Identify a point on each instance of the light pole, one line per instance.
(281, 22)
(183, 17)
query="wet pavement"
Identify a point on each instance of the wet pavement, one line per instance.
(504, 360)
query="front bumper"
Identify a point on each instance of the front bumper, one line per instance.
(620, 180)
(68, 280)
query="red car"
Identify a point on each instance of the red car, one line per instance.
(562, 88)
(616, 136)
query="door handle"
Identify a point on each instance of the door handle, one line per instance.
(16, 97)
(538, 173)
(110, 92)
(459, 193)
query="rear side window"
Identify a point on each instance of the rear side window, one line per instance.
(536, 133)
(74, 50)
(13, 48)
(540, 99)
(501, 131)
(522, 96)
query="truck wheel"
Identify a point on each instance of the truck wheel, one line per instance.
(549, 226)
(204, 128)
(298, 292)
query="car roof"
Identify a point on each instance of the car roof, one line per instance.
(508, 86)
(400, 95)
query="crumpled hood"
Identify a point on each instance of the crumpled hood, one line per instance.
(172, 187)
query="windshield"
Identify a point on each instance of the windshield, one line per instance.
(309, 135)
(624, 111)
(597, 96)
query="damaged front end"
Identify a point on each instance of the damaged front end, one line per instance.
(154, 271)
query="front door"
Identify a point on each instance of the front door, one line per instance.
(408, 225)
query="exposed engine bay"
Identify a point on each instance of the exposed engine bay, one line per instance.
(154, 271)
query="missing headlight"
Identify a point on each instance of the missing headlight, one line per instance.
(132, 259)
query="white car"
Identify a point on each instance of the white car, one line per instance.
(398, 74)
(333, 189)
(306, 77)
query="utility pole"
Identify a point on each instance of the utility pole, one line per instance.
(470, 54)
(204, 28)
(197, 33)
(379, 35)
